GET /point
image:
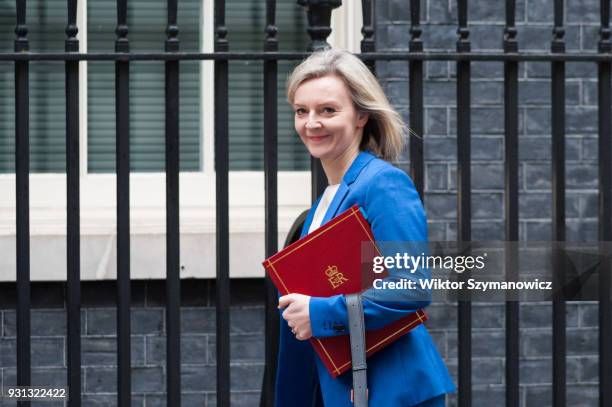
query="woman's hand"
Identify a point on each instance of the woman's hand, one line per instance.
(297, 314)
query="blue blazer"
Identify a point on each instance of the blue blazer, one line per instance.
(405, 373)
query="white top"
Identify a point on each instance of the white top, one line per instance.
(328, 196)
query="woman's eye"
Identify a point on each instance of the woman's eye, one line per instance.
(329, 110)
(300, 111)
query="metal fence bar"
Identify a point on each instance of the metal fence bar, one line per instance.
(270, 91)
(73, 221)
(511, 207)
(558, 192)
(22, 185)
(368, 43)
(416, 101)
(122, 148)
(605, 207)
(222, 196)
(173, 266)
(464, 216)
(319, 28)
(294, 56)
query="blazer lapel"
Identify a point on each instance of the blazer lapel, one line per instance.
(354, 170)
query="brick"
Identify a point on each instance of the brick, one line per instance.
(581, 230)
(439, 93)
(585, 11)
(246, 377)
(436, 69)
(486, 37)
(585, 395)
(43, 322)
(440, 12)
(487, 120)
(243, 348)
(487, 176)
(436, 177)
(193, 349)
(589, 94)
(535, 205)
(442, 316)
(198, 377)
(537, 176)
(536, 342)
(106, 400)
(247, 320)
(538, 231)
(398, 36)
(539, 315)
(540, 396)
(537, 121)
(104, 379)
(436, 121)
(397, 92)
(488, 316)
(41, 376)
(198, 320)
(400, 11)
(487, 148)
(538, 92)
(487, 371)
(581, 119)
(589, 369)
(590, 149)
(536, 370)
(103, 321)
(487, 395)
(589, 315)
(581, 176)
(439, 37)
(440, 206)
(439, 149)
(487, 206)
(103, 351)
(436, 231)
(540, 12)
(187, 399)
(489, 343)
(582, 341)
(237, 399)
(487, 230)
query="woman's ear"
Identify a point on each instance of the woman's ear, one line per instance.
(362, 119)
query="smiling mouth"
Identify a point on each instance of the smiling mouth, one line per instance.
(318, 138)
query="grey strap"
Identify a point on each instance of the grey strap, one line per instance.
(358, 350)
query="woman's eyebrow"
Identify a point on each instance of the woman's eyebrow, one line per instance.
(326, 102)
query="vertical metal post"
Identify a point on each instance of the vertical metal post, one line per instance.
(271, 187)
(122, 148)
(511, 182)
(368, 43)
(416, 101)
(558, 195)
(222, 194)
(173, 267)
(22, 184)
(605, 208)
(464, 203)
(73, 219)
(319, 28)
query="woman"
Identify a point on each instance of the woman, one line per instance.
(343, 118)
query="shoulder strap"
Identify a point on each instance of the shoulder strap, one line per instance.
(359, 393)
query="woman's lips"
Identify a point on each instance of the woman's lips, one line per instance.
(318, 138)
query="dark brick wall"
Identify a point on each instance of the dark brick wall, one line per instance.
(98, 353)
(534, 25)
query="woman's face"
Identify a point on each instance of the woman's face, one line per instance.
(326, 119)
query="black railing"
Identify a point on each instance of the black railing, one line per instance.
(319, 13)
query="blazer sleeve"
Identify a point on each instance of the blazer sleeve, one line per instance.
(396, 215)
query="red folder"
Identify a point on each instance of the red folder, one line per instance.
(336, 259)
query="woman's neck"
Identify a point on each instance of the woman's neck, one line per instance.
(337, 167)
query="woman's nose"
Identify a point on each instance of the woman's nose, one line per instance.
(313, 122)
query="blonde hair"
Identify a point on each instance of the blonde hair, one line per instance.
(385, 132)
